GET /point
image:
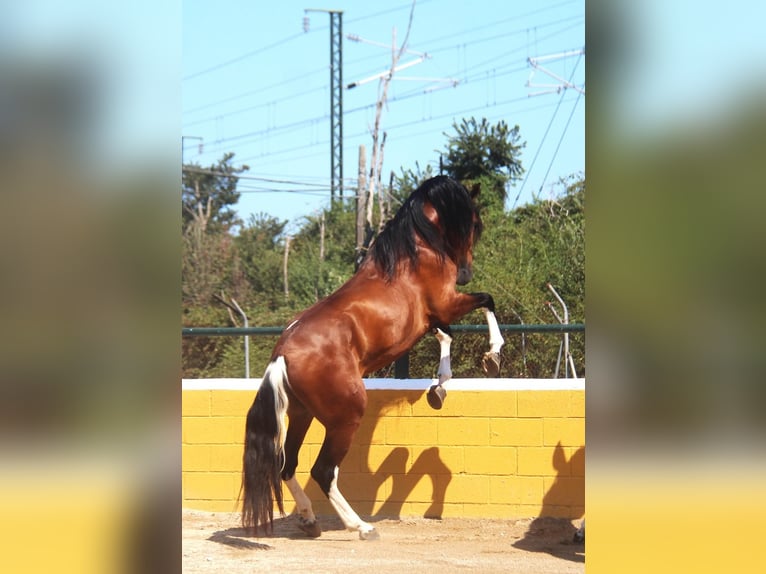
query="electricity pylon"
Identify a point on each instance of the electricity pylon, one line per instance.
(336, 98)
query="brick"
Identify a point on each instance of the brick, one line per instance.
(491, 510)
(558, 511)
(501, 403)
(352, 461)
(390, 402)
(195, 457)
(564, 491)
(566, 431)
(487, 403)
(414, 488)
(462, 431)
(436, 460)
(308, 456)
(468, 489)
(451, 408)
(410, 431)
(195, 403)
(516, 489)
(516, 432)
(490, 460)
(576, 403)
(371, 431)
(577, 460)
(231, 403)
(544, 403)
(469, 404)
(359, 487)
(226, 457)
(315, 434)
(539, 461)
(212, 430)
(211, 485)
(464, 404)
(386, 459)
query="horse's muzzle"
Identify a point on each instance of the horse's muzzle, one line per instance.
(464, 275)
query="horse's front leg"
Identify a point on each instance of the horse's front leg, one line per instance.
(490, 362)
(437, 393)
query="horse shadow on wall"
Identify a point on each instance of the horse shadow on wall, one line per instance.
(362, 484)
(549, 532)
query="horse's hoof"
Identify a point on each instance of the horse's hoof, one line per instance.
(435, 396)
(369, 535)
(579, 537)
(310, 529)
(490, 362)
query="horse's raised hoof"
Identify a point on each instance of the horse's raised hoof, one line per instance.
(435, 396)
(490, 362)
(369, 535)
(310, 529)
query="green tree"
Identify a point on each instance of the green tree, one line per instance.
(482, 152)
(260, 245)
(208, 194)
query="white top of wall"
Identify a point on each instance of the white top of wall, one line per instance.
(407, 384)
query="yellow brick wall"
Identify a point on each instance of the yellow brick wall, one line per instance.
(489, 453)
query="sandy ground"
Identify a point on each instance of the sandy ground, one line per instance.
(214, 542)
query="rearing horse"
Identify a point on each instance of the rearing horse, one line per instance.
(404, 288)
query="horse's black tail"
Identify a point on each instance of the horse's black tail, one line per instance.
(263, 458)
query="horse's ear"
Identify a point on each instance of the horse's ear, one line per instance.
(475, 189)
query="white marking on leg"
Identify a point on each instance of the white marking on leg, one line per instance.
(347, 515)
(445, 364)
(301, 500)
(495, 338)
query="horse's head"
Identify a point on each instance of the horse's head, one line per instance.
(453, 211)
(442, 213)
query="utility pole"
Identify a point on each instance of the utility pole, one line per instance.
(360, 207)
(336, 98)
(200, 146)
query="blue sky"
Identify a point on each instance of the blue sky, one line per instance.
(254, 83)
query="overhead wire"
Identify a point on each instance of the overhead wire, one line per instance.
(545, 135)
(414, 93)
(243, 56)
(303, 77)
(561, 139)
(478, 73)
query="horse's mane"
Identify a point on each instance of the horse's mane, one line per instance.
(455, 209)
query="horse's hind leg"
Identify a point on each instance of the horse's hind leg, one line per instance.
(300, 420)
(325, 472)
(437, 393)
(490, 362)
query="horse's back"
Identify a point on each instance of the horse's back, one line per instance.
(363, 326)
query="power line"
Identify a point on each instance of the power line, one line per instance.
(383, 12)
(303, 77)
(286, 128)
(566, 127)
(243, 56)
(395, 127)
(478, 73)
(191, 169)
(545, 135)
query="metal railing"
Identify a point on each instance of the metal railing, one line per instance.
(401, 367)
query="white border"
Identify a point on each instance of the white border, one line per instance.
(406, 384)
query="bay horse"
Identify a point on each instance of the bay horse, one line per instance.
(404, 288)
